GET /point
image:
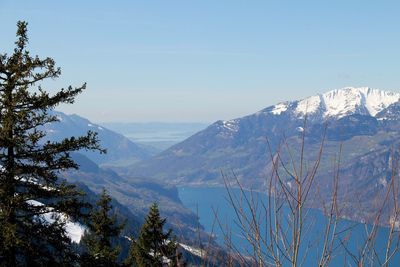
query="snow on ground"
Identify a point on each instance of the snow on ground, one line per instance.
(74, 230)
(195, 251)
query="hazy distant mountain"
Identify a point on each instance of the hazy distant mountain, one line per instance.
(366, 121)
(120, 150)
(156, 135)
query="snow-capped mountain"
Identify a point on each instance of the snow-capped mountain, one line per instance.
(339, 103)
(366, 121)
(240, 143)
(332, 105)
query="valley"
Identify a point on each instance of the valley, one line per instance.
(242, 151)
(199, 133)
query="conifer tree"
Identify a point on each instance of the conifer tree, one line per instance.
(29, 187)
(154, 247)
(104, 230)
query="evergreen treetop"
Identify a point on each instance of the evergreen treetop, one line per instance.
(104, 230)
(30, 166)
(154, 247)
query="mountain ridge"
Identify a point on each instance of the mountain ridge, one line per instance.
(120, 149)
(341, 102)
(243, 145)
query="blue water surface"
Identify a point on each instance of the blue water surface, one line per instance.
(350, 236)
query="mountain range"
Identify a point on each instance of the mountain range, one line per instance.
(133, 195)
(364, 121)
(120, 150)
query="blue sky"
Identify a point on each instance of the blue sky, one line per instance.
(205, 60)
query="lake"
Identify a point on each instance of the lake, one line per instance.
(346, 249)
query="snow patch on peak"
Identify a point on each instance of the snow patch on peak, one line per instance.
(279, 108)
(348, 100)
(308, 105)
(231, 125)
(227, 129)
